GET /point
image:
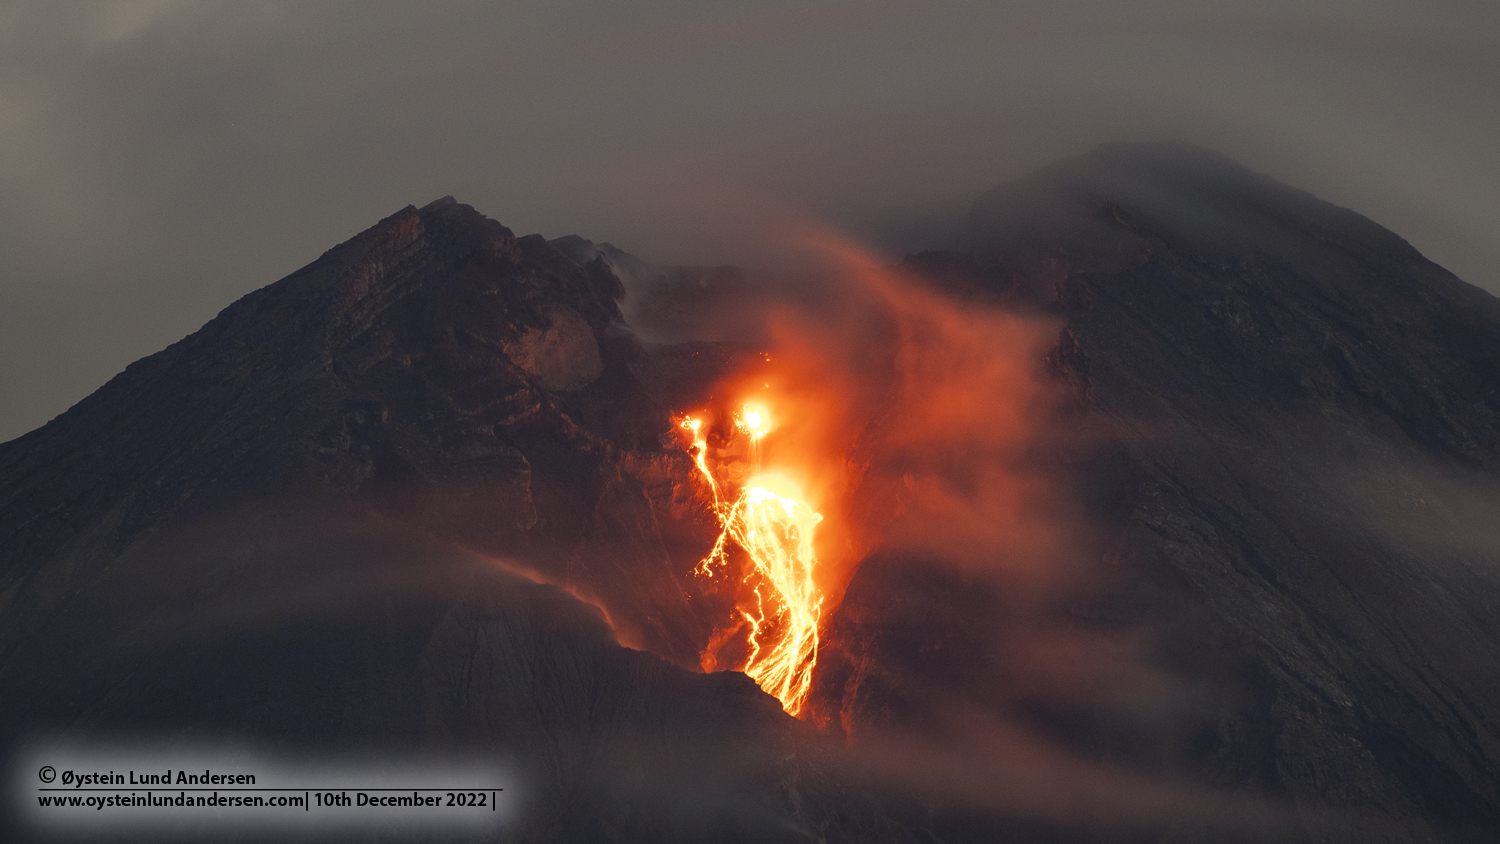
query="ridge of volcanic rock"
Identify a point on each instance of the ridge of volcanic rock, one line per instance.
(1307, 423)
(459, 378)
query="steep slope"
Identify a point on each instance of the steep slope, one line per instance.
(433, 346)
(328, 518)
(1309, 416)
(370, 504)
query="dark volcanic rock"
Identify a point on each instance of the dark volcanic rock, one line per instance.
(454, 378)
(301, 525)
(1311, 412)
(361, 506)
(675, 304)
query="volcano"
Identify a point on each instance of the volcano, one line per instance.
(431, 493)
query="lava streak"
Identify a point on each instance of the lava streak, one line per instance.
(781, 605)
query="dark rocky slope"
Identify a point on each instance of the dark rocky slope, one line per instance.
(450, 376)
(1308, 413)
(303, 525)
(320, 518)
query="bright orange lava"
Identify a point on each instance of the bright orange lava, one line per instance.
(784, 604)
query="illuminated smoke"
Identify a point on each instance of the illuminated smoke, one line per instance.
(782, 607)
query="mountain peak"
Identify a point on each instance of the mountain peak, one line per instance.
(331, 512)
(1188, 192)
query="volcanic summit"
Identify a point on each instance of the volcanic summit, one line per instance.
(1155, 502)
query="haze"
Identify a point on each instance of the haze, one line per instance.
(160, 158)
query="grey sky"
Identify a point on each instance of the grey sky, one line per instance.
(160, 158)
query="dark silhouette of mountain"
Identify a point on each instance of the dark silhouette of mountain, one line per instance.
(326, 519)
(1306, 418)
(421, 494)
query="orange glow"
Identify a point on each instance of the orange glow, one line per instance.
(895, 417)
(776, 534)
(774, 529)
(932, 418)
(694, 427)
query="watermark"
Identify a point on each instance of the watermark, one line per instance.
(76, 787)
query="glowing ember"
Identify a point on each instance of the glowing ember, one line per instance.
(782, 605)
(694, 427)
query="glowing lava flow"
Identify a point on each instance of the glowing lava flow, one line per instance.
(776, 534)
